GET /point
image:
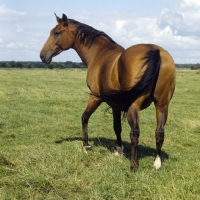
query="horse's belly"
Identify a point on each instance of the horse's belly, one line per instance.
(146, 103)
(142, 103)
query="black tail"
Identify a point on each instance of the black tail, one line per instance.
(152, 60)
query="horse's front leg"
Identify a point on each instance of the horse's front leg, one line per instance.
(133, 120)
(118, 129)
(93, 103)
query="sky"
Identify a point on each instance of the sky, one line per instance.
(172, 24)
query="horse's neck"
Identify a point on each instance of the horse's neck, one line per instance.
(84, 53)
(99, 49)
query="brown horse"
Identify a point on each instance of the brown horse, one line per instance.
(127, 80)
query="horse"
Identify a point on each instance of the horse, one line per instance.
(128, 80)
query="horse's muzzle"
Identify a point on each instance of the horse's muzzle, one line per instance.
(42, 57)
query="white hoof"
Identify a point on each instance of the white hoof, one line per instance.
(119, 151)
(157, 163)
(87, 148)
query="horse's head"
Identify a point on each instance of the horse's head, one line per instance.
(60, 39)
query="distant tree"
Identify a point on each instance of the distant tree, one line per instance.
(195, 67)
(61, 66)
(13, 64)
(19, 65)
(29, 66)
(3, 65)
(51, 66)
(69, 64)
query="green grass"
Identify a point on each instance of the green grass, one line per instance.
(41, 154)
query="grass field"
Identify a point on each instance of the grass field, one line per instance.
(41, 154)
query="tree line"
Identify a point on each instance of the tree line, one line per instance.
(189, 66)
(68, 64)
(52, 65)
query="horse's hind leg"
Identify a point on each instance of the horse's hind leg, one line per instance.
(118, 128)
(93, 103)
(133, 120)
(161, 116)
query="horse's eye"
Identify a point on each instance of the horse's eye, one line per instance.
(57, 33)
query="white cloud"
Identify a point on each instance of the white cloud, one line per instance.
(13, 45)
(182, 22)
(7, 14)
(119, 25)
(190, 4)
(19, 29)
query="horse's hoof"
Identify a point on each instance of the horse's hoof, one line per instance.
(157, 163)
(87, 148)
(119, 150)
(134, 166)
(134, 169)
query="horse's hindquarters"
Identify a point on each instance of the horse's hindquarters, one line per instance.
(165, 84)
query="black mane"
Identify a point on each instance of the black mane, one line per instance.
(87, 34)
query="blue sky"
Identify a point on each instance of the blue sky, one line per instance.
(172, 24)
(36, 6)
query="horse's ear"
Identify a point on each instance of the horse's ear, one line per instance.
(59, 20)
(65, 20)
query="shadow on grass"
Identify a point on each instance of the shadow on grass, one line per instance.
(110, 144)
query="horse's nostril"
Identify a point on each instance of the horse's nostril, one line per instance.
(42, 57)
